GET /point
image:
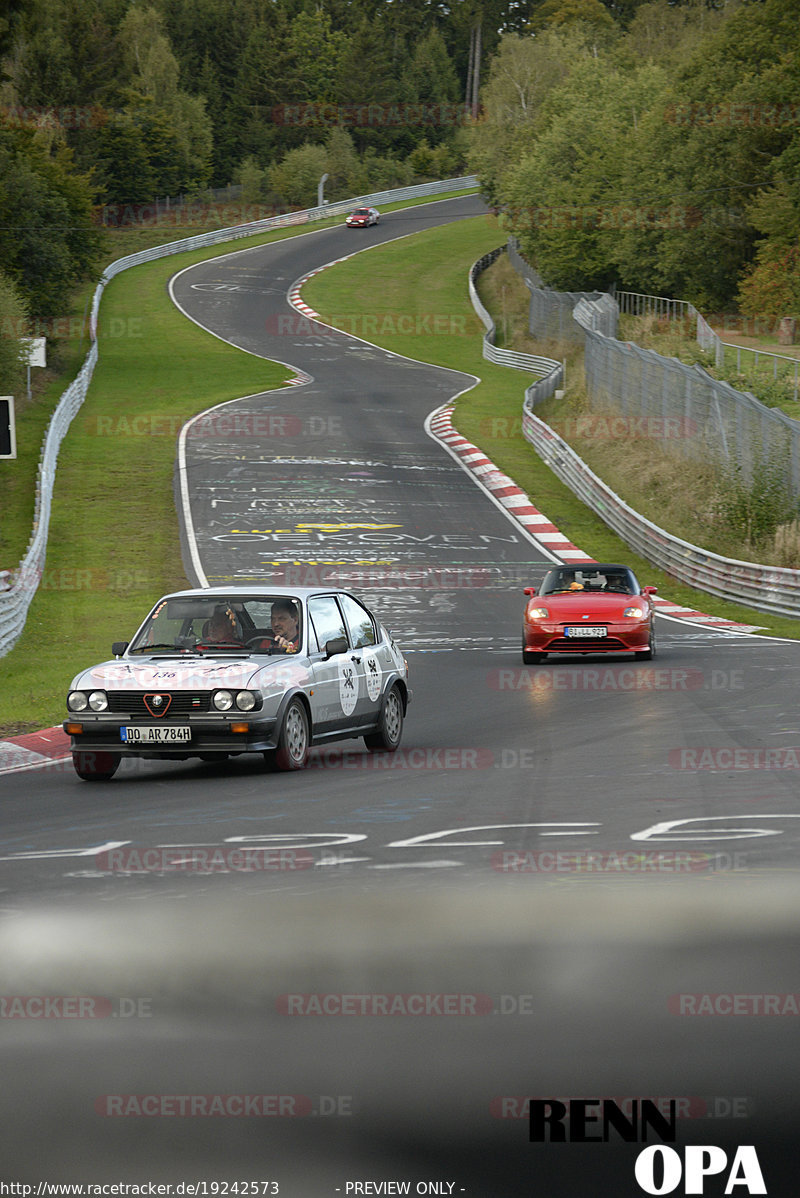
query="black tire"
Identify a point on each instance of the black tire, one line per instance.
(390, 726)
(293, 742)
(649, 653)
(95, 767)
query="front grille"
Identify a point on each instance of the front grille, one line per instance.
(602, 643)
(183, 702)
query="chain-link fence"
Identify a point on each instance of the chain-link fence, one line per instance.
(761, 362)
(550, 314)
(681, 407)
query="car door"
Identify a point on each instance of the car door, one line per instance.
(336, 681)
(364, 658)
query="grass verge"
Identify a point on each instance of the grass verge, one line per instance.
(428, 276)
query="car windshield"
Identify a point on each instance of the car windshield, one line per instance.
(214, 623)
(579, 580)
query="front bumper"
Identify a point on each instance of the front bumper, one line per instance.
(212, 736)
(619, 638)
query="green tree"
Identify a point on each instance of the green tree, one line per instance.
(315, 51)
(176, 128)
(297, 175)
(523, 73)
(13, 326)
(47, 238)
(557, 13)
(567, 198)
(123, 171)
(342, 164)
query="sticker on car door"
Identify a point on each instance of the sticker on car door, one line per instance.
(348, 686)
(372, 675)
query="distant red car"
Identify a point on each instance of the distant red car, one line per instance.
(594, 608)
(361, 217)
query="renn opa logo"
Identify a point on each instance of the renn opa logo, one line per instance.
(658, 1169)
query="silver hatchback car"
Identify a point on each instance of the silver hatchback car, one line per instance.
(216, 672)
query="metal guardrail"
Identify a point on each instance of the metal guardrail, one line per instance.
(766, 588)
(19, 588)
(772, 589)
(550, 372)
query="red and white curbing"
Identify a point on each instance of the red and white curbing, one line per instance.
(512, 497)
(33, 749)
(293, 294)
(505, 490)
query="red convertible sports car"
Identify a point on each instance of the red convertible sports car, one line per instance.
(595, 608)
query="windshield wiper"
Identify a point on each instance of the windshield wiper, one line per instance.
(150, 648)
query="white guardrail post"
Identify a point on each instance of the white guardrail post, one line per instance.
(17, 588)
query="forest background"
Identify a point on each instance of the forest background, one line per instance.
(654, 146)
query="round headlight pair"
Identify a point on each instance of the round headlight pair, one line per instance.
(226, 700)
(79, 701)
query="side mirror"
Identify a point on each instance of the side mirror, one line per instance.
(337, 645)
(119, 647)
(530, 590)
(649, 590)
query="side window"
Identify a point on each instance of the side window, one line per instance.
(326, 619)
(359, 621)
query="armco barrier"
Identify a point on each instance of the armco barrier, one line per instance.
(767, 588)
(774, 589)
(550, 372)
(16, 596)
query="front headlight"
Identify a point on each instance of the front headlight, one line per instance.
(98, 701)
(77, 701)
(223, 700)
(538, 613)
(245, 700)
(635, 612)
